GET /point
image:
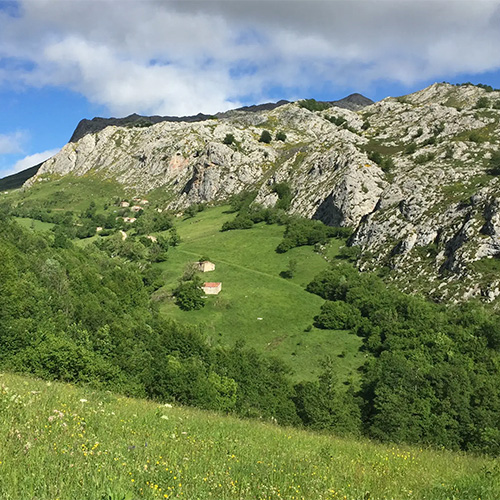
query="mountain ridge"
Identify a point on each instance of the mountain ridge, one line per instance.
(410, 175)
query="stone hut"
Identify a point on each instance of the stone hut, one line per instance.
(212, 288)
(205, 266)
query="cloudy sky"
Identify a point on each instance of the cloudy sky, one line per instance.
(63, 60)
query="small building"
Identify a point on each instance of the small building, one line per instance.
(124, 204)
(129, 219)
(143, 202)
(136, 208)
(205, 266)
(212, 288)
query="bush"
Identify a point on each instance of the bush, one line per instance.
(482, 102)
(337, 120)
(337, 315)
(240, 222)
(281, 136)
(229, 139)
(265, 137)
(494, 163)
(410, 149)
(282, 189)
(313, 105)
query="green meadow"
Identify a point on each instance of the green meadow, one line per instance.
(65, 443)
(256, 305)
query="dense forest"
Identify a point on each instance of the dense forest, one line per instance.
(85, 315)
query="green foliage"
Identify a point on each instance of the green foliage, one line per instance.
(228, 139)
(494, 163)
(300, 231)
(386, 163)
(431, 369)
(282, 189)
(410, 149)
(281, 136)
(337, 315)
(337, 120)
(242, 201)
(290, 271)
(313, 105)
(265, 137)
(482, 102)
(475, 136)
(239, 222)
(424, 158)
(189, 295)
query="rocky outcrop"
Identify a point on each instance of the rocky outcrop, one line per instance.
(410, 175)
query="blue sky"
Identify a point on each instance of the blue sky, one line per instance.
(64, 60)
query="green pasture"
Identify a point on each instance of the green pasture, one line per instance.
(256, 305)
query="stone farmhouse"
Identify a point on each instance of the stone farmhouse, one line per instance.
(212, 288)
(205, 266)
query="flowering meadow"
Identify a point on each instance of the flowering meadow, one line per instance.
(67, 443)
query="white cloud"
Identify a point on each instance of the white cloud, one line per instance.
(13, 142)
(182, 57)
(30, 161)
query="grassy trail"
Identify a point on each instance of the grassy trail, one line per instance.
(245, 268)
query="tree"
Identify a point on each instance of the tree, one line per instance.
(290, 271)
(265, 137)
(281, 136)
(189, 295)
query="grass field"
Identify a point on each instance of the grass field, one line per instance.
(63, 443)
(69, 192)
(34, 224)
(256, 305)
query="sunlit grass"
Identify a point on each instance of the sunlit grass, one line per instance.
(256, 305)
(59, 442)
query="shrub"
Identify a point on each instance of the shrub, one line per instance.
(229, 139)
(337, 120)
(313, 105)
(482, 102)
(265, 137)
(494, 163)
(475, 136)
(337, 315)
(281, 136)
(410, 149)
(282, 189)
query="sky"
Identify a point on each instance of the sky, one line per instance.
(64, 60)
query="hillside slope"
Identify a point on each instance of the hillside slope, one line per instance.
(414, 176)
(68, 443)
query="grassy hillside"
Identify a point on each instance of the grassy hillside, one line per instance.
(63, 443)
(256, 304)
(69, 192)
